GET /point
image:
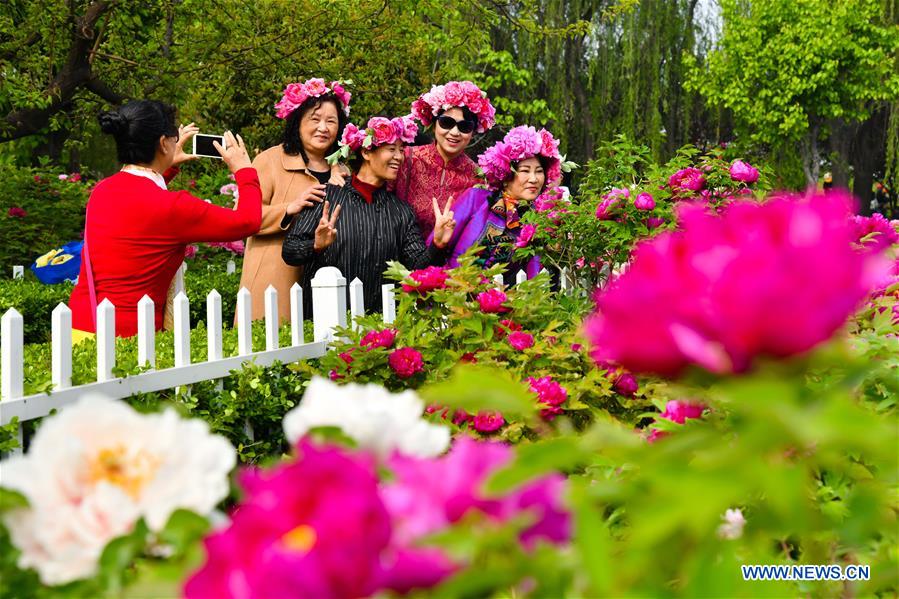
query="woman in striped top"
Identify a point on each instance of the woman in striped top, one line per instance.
(361, 226)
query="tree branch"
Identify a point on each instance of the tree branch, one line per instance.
(74, 74)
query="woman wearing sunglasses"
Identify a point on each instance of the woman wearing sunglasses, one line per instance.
(442, 170)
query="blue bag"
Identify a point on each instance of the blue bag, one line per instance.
(60, 264)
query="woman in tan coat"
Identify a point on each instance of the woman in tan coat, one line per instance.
(292, 176)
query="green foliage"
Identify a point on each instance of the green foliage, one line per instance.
(54, 214)
(35, 302)
(786, 67)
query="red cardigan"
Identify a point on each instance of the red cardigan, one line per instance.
(137, 233)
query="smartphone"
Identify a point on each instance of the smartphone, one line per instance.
(203, 145)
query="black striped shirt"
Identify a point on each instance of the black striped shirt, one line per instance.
(368, 236)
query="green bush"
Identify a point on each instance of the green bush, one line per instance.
(53, 213)
(35, 302)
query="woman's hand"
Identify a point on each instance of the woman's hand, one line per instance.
(310, 196)
(444, 224)
(235, 153)
(325, 233)
(339, 175)
(185, 132)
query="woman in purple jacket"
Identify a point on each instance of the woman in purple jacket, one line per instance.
(517, 169)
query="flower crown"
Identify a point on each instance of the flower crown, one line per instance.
(520, 143)
(379, 131)
(455, 94)
(297, 93)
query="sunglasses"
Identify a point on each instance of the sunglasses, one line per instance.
(448, 122)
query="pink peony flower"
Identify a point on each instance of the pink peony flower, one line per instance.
(491, 301)
(644, 201)
(75, 177)
(315, 526)
(383, 131)
(405, 362)
(687, 179)
(488, 422)
(406, 128)
(874, 233)
(742, 171)
(776, 279)
(525, 236)
(549, 393)
(550, 145)
(429, 495)
(346, 356)
(580, 262)
(63, 177)
(626, 384)
(16, 212)
(679, 412)
(428, 279)
(316, 87)
(521, 340)
(190, 251)
(374, 339)
(654, 222)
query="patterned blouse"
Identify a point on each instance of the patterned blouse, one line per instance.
(425, 175)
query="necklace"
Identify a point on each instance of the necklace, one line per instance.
(138, 167)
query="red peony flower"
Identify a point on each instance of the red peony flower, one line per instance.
(428, 279)
(405, 362)
(549, 393)
(520, 340)
(488, 422)
(491, 301)
(374, 339)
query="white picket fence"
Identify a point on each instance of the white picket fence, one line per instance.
(329, 305)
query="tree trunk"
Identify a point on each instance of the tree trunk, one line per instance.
(811, 156)
(868, 155)
(842, 135)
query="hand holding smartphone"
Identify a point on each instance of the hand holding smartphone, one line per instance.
(204, 145)
(233, 151)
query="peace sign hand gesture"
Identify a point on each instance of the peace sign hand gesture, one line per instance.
(325, 233)
(444, 223)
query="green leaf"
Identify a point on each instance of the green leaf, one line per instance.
(474, 388)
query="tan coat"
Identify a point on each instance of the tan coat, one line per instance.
(283, 178)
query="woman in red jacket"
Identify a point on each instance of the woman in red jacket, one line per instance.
(136, 230)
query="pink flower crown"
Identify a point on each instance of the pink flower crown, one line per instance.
(520, 143)
(297, 93)
(455, 94)
(379, 131)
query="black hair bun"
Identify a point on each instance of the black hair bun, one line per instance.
(112, 122)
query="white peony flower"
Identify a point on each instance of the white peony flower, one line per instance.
(376, 419)
(733, 525)
(97, 467)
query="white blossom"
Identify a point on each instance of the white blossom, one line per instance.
(374, 418)
(733, 524)
(97, 467)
